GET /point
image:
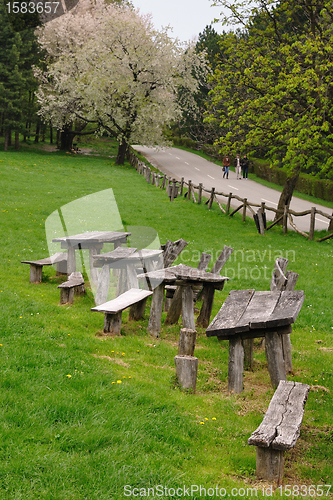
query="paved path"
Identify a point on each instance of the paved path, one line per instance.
(178, 163)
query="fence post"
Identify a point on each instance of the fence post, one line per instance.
(228, 203)
(200, 193)
(163, 182)
(189, 194)
(312, 222)
(211, 199)
(244, 209)
(181, 186)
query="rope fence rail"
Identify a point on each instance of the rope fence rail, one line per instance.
(195, 193)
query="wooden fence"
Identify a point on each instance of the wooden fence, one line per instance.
(195, 193)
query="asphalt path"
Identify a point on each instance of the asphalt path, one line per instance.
(178, 163)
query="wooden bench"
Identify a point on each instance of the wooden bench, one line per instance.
(74, 284)
(36, 266)
(279, 430)
(135, 298)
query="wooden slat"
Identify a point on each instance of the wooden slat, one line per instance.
(123, 301)
(287, 309)
(280, 427)
(222, 259)
(113, 256)
(230, 313)
(48, 261)
(289, 430)
(258, 311)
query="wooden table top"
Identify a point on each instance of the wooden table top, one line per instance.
(246, 310)
(185, 274)
(93, 237)
(127, 254)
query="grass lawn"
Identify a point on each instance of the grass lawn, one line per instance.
(83, 415)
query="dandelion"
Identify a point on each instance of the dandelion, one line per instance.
(128, 377)
(123, 354)
(113, 382)
(69, 376)
(139, 351)
(202, 423)
(118, 381)
(112, 351)
(214, 418)
(206, 418)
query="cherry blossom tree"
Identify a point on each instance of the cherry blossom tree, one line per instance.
(107, 65)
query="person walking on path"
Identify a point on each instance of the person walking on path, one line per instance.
(245, 166)
(226, 166)
(238, 167)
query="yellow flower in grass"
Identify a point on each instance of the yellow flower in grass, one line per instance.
(118, 381)
(213, 418)
(206, 418)
(69, 376)
(202, 423)
(113, 382)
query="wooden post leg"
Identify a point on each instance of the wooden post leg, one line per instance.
(236, 365)
(103, 285)
(207, 305)
(270, 464)
(187, 341)
(112, 323)
(186, 371)
(66, 295)
(248, 354)
(187, 308)
(71, 265)
(36, 273)
(93, 270)
(131, 278)
(122, 281)
(137, 310)
(175, 308)
(286, 346)
(275, 361)
(154, 324)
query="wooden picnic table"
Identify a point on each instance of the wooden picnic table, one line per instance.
(127, 260)
(92, 240)
(249, 314)
(185, 277)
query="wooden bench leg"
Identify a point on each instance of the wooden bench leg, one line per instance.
(236, 365)
(80, 290)
(137, 310)
(187, 308)
(187, 339)
(270, 464)
(103, 285)
(36, 273)
(207, 305)
(275, 361)
(154, 325)
(66, 295)
(248, 354)
(175, 308)
(286, 345)
(112, 323)
(186, 371)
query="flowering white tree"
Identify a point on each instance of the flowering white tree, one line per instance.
(108, 65)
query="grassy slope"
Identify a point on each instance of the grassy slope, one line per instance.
(86, 436)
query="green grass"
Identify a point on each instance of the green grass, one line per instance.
(87, 436)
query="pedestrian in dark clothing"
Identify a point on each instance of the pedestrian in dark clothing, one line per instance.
(245, 166)
(226, 166)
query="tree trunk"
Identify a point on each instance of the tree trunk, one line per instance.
(51, 134)
(66, 138)
(287, 193)
(121, 155)
(7, 134)
(9, 138)
(37, 131)
(17, 141)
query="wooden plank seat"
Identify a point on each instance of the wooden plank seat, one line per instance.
(36, 266)
(279, 429)
(135, 298)
(74, 284)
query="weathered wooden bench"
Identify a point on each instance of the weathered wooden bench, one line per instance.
(74, 284)
(135, 298)
(36, 266)
(279, 429)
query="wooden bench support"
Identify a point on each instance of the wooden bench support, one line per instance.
(279, 429)
(135, 298)
(274, 356)
(36, 266)
(154, 324)
(236, 364)
(186, 344)
(74, 285)
(186, 371)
